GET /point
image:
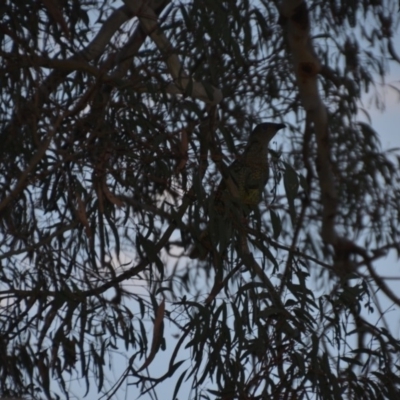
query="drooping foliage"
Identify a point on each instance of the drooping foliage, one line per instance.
(117, 123)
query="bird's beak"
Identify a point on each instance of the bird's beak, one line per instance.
(280, 126)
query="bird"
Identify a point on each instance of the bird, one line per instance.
(240, 191)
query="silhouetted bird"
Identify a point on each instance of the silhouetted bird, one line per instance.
(242, 189)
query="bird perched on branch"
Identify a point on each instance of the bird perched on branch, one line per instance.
(241, 188)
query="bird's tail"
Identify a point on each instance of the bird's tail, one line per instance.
(202, 248)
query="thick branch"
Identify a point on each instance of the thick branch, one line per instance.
(148, 20)
(94, 49)
(306, 67)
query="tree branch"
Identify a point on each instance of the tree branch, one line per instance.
(148, 20)
(306, 66)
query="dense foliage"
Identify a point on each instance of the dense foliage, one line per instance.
(117, 123)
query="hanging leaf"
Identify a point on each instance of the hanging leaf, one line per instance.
(276, 223)
(291, 183)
